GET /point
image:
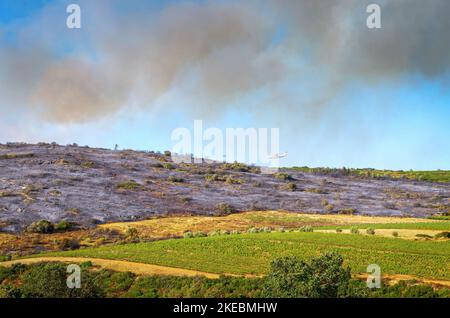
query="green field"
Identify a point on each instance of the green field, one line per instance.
(252, 253)
(431, 176)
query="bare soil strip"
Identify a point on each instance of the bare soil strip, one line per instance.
(149, 269)
(120, 266)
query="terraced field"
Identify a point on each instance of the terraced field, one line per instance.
(252, 253)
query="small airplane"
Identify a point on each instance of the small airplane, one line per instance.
(279, 155)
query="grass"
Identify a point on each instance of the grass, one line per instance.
(252, 253)
(16, 155)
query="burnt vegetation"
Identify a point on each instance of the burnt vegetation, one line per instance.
(87, 186)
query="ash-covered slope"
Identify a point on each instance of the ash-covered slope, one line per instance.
(90, 186)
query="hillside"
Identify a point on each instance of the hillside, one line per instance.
(90, 186)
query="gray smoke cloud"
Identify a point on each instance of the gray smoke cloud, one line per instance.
(215, 52)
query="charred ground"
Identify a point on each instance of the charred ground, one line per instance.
(90, 186)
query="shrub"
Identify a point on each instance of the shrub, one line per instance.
(87, 264)
(370, 231)
(231, 180)
(224, 208)
(425, 236)
(212, 177)
(63, 226)
(252, 230)
(395, 234)
(291, 277)
(42, 226)
(167, 153)
(199, 234)
(224, 232)
(306, 228)
(291, 186)
(419, 291)
(186, 199)
(329, 208)
(283, 176)
(266, 229)
(69, 244)
(4, 258)
(234, 232)
(354, 230)
(88, 164)
(129, 185)
(175, 179)
(213, 233)
(242, 167)
(443, 235)
(48, 280)
(338, 230)
(349, 211)
(188, 234)
(168, 166)
(132, 234)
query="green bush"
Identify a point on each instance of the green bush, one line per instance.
(306, 228)
(48, 280)
(370, 231)
(322, 277)
(5, 258)
(63, 226)
(128, 185)
(291, 186)
(231, 180)
(69, 244)
(132, 235)
(188, 234)
(443, 235)
(224, 208)
(42, 226)
(175, 179)
(395, 234)
(354, 230)
(168, 165)
(283, 176)
(199, 234)
(349, 211)
(252, 230)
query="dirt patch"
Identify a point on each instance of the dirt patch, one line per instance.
(120, 266)
(407, 234)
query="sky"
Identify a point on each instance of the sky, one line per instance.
(341, 94)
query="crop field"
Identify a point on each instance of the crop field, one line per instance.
(252, 253)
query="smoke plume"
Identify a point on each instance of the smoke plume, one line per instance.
(214, 52)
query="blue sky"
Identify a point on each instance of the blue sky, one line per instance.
(394, 121)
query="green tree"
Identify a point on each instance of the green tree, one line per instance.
(322, 277)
